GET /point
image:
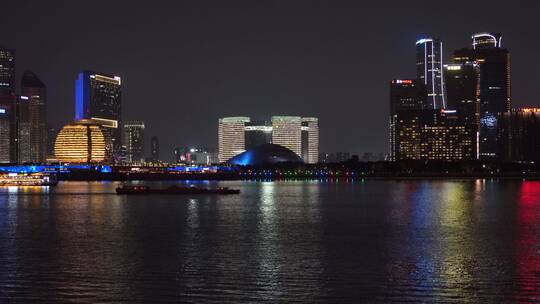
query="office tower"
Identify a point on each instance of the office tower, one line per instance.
(154, 149)
(429, 67)
(463, 95)
(7, 71)
(231, 137)
(32, 119)
(495, 88)
(98, 97)
(432, 135)
(83, 142)
(310, 140)
(177, 155)
(405, 95)
(520, 130)
(52, 132)
(7, 114)
(133, 138)
(257, 133)
(287, 132)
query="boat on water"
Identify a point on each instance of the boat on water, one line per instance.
(28, 179)
(173, 190)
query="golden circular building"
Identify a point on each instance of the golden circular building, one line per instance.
(83, 142)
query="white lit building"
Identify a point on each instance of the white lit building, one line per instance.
(231, 137)
(133, 139)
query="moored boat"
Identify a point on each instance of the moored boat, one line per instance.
(173, 190)
(28, 179)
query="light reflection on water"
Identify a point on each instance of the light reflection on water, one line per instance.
(305, 241)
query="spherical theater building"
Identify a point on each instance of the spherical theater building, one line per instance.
(83, 142)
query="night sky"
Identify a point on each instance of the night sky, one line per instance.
(184, 64)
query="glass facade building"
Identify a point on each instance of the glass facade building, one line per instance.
(429, 67)
(98, 97)
(133, 138)
(7, 71)
(32, 120)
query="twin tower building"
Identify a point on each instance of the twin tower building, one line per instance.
(452, 111)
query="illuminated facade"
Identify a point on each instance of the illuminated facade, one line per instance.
(520, 131)
(98, 97)
(32, 121)
(433, 135)
(310, 140)
(429, 67)
(287, 132)
(494, 86)
(83, 142)
(298, 134)
(133, 138)
(7, 71)
(231, 137)
(405, 94)
(7, 105)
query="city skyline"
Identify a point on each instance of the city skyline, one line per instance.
(331, 75)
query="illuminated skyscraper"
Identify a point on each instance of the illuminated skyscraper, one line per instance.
(133, 138)
(495, 88)
(310, 140)
(231, 137)
(98, 97)
(429, 67)
(7, 118)
(521, 134)
(154, 149)
(32, 123)
(405, 95)
(7, 71)
(287, 132)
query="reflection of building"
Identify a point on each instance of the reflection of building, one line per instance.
(98, 97)
(298, 134)
(133, 138)
(494, 87)
(7, 71)
(83, 142)
(405, 94)
(429, 67)
(521, 135)
(32, 123)
(433, 135)
(154, 149)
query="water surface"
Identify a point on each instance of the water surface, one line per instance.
(289, 242)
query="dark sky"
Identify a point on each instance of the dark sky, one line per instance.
(184, 64)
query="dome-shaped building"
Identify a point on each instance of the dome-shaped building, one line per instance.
(83, 142)
(264, 155)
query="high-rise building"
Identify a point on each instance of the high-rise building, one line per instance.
(7, 71)
(231, 137)
(432, 135)
(32, 120)
(495, 89)
(98, 97)
(52, 132)
(287, 132)
(298, 134)
(83, 142)
(405, 95)
(154, 149)
(463, 95)
(520, 131)
(429, 67)
(133, 138)
(310, 140)
(7, 115)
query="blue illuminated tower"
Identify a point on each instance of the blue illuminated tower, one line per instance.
(98, 97)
